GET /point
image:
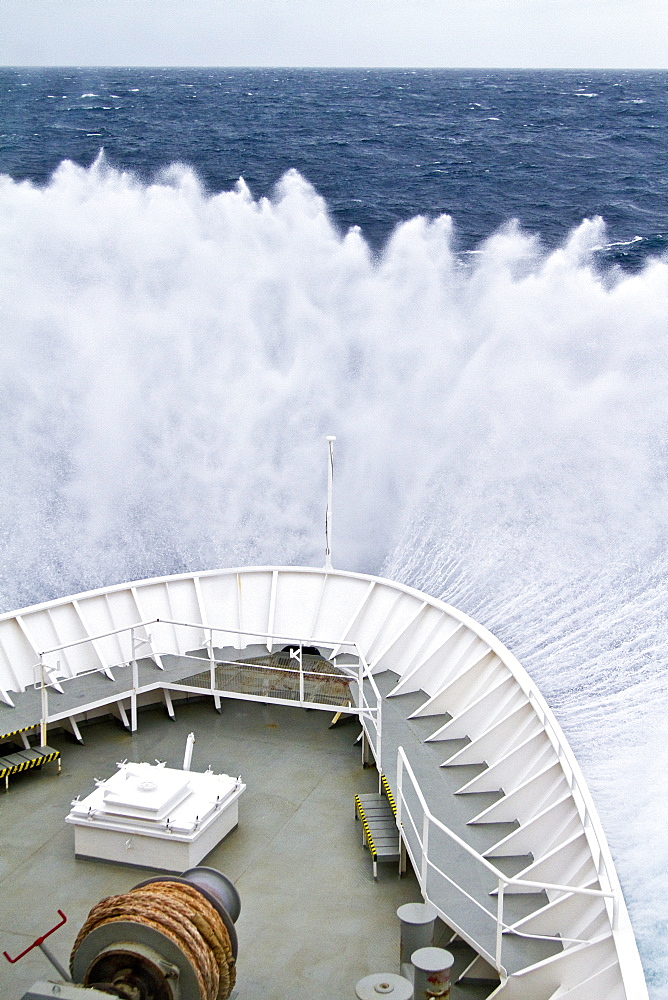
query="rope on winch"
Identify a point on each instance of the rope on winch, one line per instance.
(183, 915)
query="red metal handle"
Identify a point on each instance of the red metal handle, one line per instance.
(39, 941)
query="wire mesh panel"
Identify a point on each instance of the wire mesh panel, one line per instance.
(278, 675)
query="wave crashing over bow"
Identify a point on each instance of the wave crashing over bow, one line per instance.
(171, 361)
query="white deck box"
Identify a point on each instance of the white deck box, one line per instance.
(156, 817)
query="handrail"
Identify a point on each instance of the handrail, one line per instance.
(367, 711)
(369, 715)
(311, 641)
(502, 927)
(479, 857)
(424, 863)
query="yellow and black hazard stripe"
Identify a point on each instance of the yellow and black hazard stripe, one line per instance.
(388, 792)
(16, 732)
(365, 827)
(26, 760)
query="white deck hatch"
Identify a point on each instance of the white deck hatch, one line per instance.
(160, 816)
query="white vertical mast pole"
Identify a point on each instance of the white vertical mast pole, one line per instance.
(328, 516)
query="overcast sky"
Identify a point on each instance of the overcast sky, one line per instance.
(504, 33)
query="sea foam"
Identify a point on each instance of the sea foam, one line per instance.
(171, 361)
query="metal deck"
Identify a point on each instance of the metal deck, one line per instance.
(313, 921)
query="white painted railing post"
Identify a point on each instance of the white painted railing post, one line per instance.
(360, 690)
(301, 673)
(212, 671)
(425, 852)
(499, 923)
(400, 784)
(45, 704)
(135, 685)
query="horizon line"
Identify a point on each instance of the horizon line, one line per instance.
(274, 68)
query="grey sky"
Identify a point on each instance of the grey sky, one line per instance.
(522, 33)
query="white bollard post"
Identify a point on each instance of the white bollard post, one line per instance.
(417, 931)
(432, 973)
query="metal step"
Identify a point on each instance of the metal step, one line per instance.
(439, 786)
(27, 760)
(380, 833)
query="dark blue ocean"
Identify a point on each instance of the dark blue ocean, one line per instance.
(546, 148)
(176, 343)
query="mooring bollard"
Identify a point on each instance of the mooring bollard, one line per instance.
(432, 973)
(417, 931)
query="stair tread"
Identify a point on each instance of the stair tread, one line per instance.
(438, 785)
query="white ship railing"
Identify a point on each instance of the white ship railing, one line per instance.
(424, 823)
(369, 701)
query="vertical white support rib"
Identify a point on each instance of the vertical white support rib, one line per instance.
(114, 624)
(177, 645)
(356, 614)
(142, 617)
(26, 634)
(314, 626)
(200, 601)
(10, 678)
(106, 669)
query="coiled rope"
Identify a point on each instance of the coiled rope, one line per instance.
(183, 915)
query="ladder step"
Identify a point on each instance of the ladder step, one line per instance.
(380, 829)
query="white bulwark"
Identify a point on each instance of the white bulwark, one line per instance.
(155, 816)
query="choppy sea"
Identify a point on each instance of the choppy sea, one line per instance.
(548, 149)
(461, 274)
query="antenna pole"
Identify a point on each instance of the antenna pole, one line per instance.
(328, 516)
